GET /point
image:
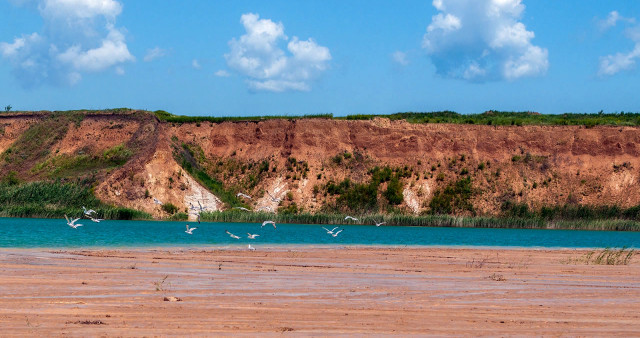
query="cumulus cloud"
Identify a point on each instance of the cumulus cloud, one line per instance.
(258, 56)
(154, 53)
(615, 63)
(79, 36)
(481, 40)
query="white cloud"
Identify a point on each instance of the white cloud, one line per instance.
(79, 36)
(258, 56)
(195, 64)
(400, 58)
(612, 20)
(79, 9)
(112, 51)
(444, 22)
(615, 63)
(222, 73)
(154, 53)
(480, 40)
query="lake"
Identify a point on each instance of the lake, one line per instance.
(55, 233)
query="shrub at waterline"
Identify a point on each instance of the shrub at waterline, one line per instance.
(55, 199)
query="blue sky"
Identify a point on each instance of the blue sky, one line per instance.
(230, 58)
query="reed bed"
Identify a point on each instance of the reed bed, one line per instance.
(55, 199)
(425, 220)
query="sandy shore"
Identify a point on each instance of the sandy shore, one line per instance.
(315, 291)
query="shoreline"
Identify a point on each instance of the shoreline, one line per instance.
(280, 247)
(316, 291)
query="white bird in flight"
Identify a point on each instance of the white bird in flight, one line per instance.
(88, 212)
(72, 223)
(269, 222)
(330, 232)
(157, 201)
(231, 235)
(350, 217)
(336, 234)
(97, 220)
(252, 236)
(266, 207)
(241, 208)
(243, 195)
(379, 224)
(190, 230)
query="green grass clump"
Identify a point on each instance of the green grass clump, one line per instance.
(609, 256)
(117, 155)
(67, 165)
(169, 208)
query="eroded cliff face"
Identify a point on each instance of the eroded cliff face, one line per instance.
(537, 165)
(292, 162)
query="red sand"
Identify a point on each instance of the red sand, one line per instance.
(316, 291)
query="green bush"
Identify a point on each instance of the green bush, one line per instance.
(394, 191)
(453, 199)
(169, 208)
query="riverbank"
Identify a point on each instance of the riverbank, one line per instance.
(316, 291)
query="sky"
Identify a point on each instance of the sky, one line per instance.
(243, 58)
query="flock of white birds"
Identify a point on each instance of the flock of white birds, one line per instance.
(91, 214)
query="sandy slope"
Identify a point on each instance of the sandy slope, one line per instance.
(315, 291)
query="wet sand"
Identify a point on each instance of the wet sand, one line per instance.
(315, 291)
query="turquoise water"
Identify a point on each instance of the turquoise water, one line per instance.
(54, 233)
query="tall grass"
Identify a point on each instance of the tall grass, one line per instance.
(55, 199)
(610, 256)
(422, 220)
